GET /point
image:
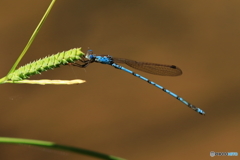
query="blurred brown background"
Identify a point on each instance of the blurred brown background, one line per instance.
(114, 112)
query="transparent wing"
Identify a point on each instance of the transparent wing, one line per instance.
(152, 68)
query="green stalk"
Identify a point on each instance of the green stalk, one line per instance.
(32, 37)
(52, 145)
(30, 41)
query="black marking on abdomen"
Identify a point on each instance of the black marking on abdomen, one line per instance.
(150, 82)
(180, 100)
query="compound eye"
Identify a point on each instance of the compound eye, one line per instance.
(90, 52)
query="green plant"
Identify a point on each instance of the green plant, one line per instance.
(21, 74)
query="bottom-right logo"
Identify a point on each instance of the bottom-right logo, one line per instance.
(213, 154)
